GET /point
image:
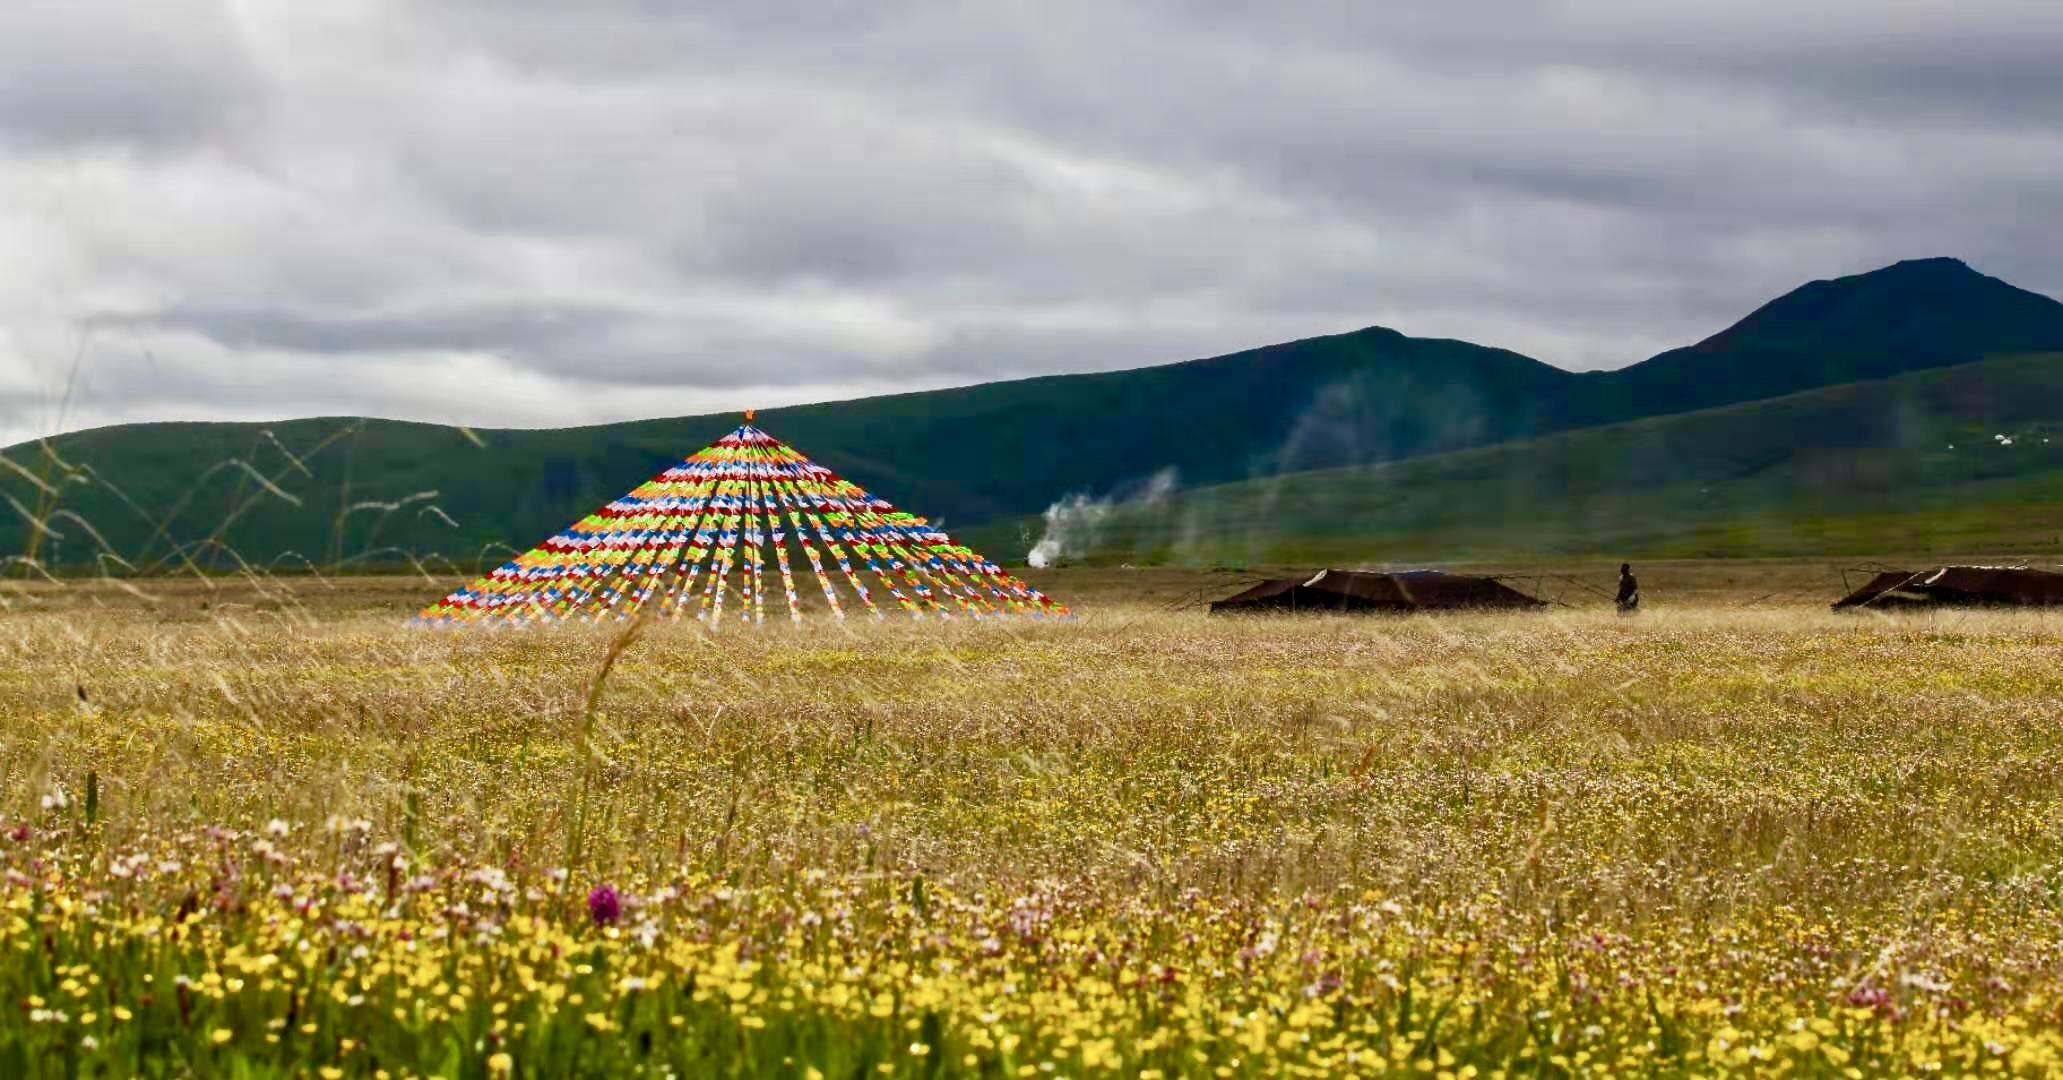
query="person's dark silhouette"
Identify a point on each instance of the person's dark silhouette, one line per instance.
(1629, 590)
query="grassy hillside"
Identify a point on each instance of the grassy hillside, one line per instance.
(1866, 467)
(1921, 313)
(342, 491)
(959, 455)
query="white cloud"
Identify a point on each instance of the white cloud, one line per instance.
(529, 213)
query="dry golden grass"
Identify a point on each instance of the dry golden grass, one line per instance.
(1708, 838)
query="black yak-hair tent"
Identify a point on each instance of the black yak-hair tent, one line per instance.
(1958, 586)
(1357, 590)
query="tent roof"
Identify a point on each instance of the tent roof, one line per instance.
(1958, 585)
(1395, 590)
(1266, 589)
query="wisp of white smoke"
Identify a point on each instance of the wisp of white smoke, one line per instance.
(1074, 525)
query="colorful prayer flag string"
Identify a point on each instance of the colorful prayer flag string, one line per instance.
(712, 514)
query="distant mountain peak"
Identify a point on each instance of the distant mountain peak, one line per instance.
(1938, 304)
(1936, 270)
(1943, 262)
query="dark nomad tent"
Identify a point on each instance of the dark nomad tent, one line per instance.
(1964, 586)
(1355, 590)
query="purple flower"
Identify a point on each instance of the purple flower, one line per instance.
(603, 906)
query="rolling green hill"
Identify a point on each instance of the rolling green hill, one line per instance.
(1908, 464)
(960, 455)
(1916, 314)
(346, 491)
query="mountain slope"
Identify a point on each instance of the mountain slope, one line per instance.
(1912, 315)
(974, 453)
(1907, 464)
(325, 490)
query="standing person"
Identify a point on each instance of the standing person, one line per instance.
(1629, 590)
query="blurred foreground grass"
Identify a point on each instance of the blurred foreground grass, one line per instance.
(283, 835)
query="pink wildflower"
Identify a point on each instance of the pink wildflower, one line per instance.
(603, 906)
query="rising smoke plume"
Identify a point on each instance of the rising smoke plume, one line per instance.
(1074, 524)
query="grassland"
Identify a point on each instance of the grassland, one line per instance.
(259, 829)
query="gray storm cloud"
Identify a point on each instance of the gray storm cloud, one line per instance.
(531, 213)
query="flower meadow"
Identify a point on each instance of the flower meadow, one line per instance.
(282, 835)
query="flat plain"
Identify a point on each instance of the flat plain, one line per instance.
(261, 827)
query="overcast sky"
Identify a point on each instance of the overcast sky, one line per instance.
(499, 213)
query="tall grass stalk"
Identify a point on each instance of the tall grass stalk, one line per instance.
(590, 713)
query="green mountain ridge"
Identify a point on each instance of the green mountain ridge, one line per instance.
(343, 491)
(1910, 464)
(1916, 314)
